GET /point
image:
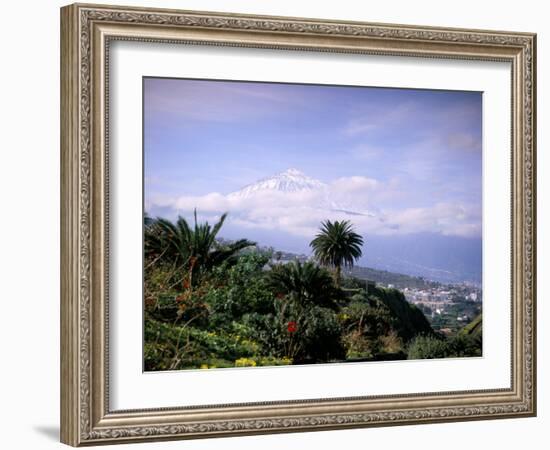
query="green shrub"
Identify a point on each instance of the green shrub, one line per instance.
(169, 346)
(428, 347)
(239, 289)
(410, 321)
(464, 345)
(322, 336)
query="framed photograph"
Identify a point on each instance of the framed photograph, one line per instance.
(275, 224)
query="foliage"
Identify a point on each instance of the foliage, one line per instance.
(337, 245)
(304, 284)
(453, 315)
(169, 346)
(465, 345)
(410, 320)
(474, 328)
(211, 303)
(191, 249)
(321, 336)
(469, 340)
(428, 347)
(238, 289)
(305, 300)
(369, 328)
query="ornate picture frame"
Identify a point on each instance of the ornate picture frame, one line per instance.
(87, 31)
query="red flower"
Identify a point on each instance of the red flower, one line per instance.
(280, 295)
(291, 327)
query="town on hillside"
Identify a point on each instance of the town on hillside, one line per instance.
(448, 307)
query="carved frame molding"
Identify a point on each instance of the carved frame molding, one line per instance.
(86, 32)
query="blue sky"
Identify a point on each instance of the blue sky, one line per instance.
(412, 157)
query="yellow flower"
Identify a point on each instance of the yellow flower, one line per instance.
(204, 366)
(245, 362)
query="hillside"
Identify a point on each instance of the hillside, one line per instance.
(398, 280)
(474, 328)
(409, 320)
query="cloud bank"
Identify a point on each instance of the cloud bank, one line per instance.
(366, 202)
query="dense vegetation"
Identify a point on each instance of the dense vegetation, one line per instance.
(467, 342)
(211, 303)
(449, 319)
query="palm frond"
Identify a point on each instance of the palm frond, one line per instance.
(336, 245)
(228, 252)
(180, 243)
(307, 283)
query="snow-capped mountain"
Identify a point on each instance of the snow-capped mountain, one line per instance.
(291, 180)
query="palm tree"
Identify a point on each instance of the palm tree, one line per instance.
(305, 284)
(191, 248)
(337, 245)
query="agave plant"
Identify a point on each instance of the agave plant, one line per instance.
(337, 245)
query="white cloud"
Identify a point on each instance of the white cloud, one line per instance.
(446, 218)
(352, 198)
(354, 184)
(374, 119)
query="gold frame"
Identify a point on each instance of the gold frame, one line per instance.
(86, 31)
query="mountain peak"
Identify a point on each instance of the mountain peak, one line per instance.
(291, 180)
(293, 172)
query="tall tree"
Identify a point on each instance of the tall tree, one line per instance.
(337, 245)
